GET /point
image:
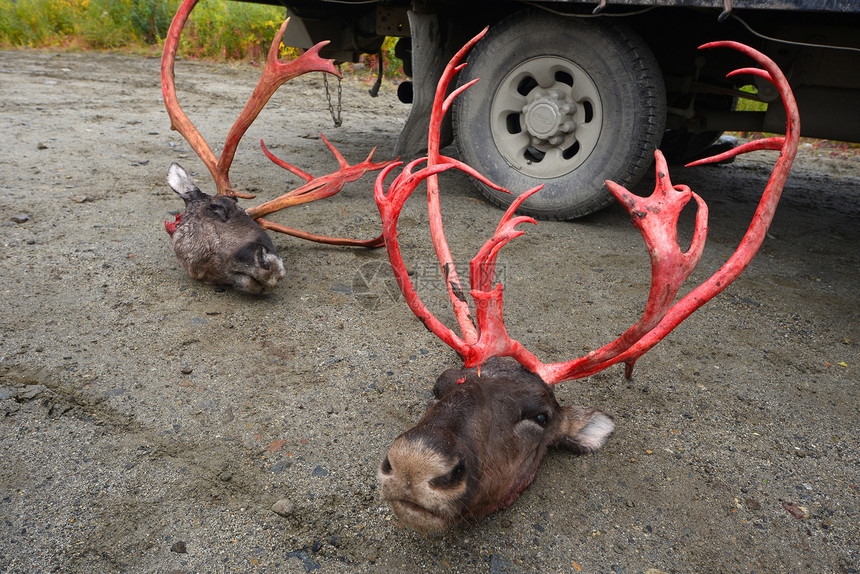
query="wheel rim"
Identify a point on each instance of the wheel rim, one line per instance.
(546, 117)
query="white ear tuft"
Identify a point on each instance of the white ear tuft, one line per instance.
(596, 432)
(584, 429)
(179, 180)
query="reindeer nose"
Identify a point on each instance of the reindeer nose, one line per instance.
(452, 478)
(413, 470)
(385, 467)
(262, 257)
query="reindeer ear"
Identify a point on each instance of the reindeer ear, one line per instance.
(449, 379)
(182, 183)
(584, 429)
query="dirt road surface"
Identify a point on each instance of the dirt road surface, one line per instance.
(149, 422)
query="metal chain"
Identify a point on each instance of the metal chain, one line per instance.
(335, 114)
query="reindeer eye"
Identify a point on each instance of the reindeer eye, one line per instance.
(536, 416)
(219, 211)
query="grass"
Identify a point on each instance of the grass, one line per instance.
(216, 29)
(822, 147)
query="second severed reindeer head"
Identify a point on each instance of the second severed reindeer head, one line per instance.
(212, 240)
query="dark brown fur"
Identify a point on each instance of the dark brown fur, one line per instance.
(218, 243)
(480, 443)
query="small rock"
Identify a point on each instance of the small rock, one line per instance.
(753, 504)
(20, 218)
(281, 466)
(320, 471)
(225, 477)
(179, 548)
(80, 198)
(186, 370)
(799, 512)
(8, 406)
(41, 145)
(31, 392)
(283, 507)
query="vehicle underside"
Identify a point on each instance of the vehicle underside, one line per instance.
(571, 89)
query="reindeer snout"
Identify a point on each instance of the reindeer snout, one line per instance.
(426, 488)
(416, 472)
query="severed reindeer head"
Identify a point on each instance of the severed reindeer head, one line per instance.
(215, 240)
(480, 442)
(218, 243)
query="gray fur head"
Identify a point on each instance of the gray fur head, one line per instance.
(218, 243)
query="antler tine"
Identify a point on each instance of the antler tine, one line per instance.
(287, 166)
(390, 206)
(755, 145)
(178, 119)
(378, 241)
(474, 345)
(437, 233)
(763, 216)
(656, 217)
(749, 244)
(440, 102)
(315, 188)
(340, 159)
(493, 337)
(482, 268)
(274, 75)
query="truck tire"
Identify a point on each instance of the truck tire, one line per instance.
(563, 102)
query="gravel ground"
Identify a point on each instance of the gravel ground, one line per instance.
(149, 423)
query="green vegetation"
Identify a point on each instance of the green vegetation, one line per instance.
(216, 29)
(748, 105)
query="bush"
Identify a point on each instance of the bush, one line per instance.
(216, 28)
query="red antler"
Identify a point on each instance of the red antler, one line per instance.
(275, 73)
(314, 189)
(655, 216)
